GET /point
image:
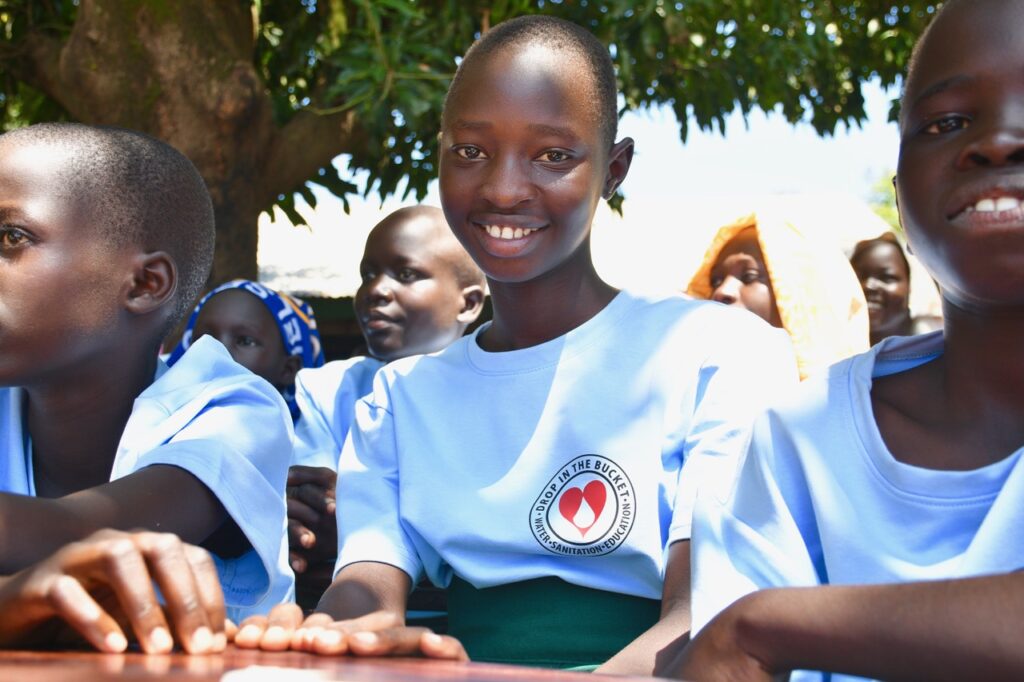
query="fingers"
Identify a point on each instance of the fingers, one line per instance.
(406, 641)
(211, 597)
(299, 535)
(186, 601)
(302, 512)
(273, 632)
(297, 562)
(125, 570)
(320, 499)
(319, 476)
(76, 606)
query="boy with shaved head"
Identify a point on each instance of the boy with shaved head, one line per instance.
(106, 238)
(419, 292)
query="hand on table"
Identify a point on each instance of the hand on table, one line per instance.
(312, 527)
(381, 633)
(104, 582)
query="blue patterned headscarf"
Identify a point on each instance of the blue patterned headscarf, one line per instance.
(294, 318)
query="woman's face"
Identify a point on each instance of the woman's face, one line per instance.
(740, 278)
(886, 282)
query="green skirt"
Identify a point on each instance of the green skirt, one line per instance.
(546, 622)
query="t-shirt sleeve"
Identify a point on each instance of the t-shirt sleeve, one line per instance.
(734, 384)
(370, 527)
(234, 435)
(751, 540)
(316, 442)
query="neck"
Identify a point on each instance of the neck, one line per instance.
(76, 422)
(984, 361)
(530, 313)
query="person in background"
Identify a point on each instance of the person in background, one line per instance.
(271, 334)
(419, 292)
(771, 268)
(884, 273)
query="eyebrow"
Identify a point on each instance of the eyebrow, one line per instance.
(941, 86)
(553, 131)
(471, 125)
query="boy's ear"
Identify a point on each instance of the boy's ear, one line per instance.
(472, 304)
(619, 159)
(292, 365)
(154, 281)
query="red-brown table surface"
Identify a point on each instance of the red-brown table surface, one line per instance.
(259, 666)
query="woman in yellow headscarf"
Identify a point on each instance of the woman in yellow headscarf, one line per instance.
(773, 269)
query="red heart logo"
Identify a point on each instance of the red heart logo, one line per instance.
(569, 504)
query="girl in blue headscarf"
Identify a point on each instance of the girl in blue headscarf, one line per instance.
(271, 334)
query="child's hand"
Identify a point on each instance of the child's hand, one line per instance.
(118, 569)
(716, 656)
(312, 527)
(381, 633)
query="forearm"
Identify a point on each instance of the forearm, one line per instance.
(33, 528)
(660, 643)
(948, 630)
(653, 649)
(363, 588)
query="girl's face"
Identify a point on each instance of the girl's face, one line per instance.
(886, 283)
(247, 329)
(960, 179)
(739, 278)
(523, 163)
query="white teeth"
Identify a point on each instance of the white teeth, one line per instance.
(995, 205)
(507, 232)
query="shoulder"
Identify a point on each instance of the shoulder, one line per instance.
(207, 371)
(357, 371)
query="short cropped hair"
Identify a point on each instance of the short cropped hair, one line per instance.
(558, 34)
(139, 191)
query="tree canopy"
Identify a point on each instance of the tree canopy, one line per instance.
(264, 95)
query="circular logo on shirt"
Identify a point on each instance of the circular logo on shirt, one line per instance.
(586, 509)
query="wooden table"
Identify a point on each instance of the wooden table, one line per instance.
(236, 665)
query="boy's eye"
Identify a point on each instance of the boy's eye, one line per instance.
(367, 275)
(12, 238)
(948, 124)
(751, 276)
(468, 151)
(716, 281)
(554, 156)
(246, 341)
(408, 275)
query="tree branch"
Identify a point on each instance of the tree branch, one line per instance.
(308, 142)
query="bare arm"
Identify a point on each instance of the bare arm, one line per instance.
(945, 630)
(666, 638)
(33, 528)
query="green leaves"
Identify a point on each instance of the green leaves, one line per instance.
(389, 62)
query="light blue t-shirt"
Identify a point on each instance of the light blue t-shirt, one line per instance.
(820, 500)
(326, 397)
(224, 425)
(577, 458)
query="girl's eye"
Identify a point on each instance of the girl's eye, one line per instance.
(12, 238)
(948, 124)
(468, 151)
(367, 275)
(408, 275)
(246, 341)
(751, 276)
(554, 156)
(716, 281)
